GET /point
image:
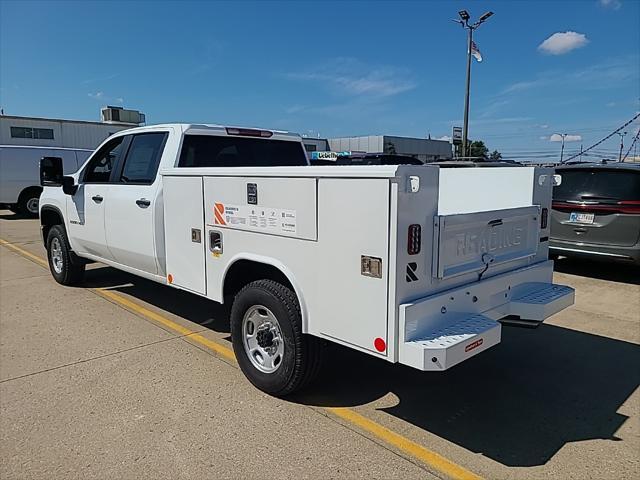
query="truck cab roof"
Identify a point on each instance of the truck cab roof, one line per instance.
(215, 129)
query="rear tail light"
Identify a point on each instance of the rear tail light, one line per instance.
(414, 239)
(249, 132)
(544, 218)
(623, 206)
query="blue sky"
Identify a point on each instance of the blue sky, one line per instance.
(332, 68)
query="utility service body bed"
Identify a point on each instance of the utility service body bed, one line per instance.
(415, 264)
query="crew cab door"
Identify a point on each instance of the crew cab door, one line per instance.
(130, 211)
(86, 208)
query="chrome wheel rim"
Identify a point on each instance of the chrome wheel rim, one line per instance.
(262, 339)
(56, 255)
(32, 205)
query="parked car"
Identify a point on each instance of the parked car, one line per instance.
(20, 174)
(596, 212)
(378, 159)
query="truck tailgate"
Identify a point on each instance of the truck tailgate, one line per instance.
(469, 242)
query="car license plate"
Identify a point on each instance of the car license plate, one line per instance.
(577, 217)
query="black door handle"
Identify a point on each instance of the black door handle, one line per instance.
(97, 198)
(143, 202)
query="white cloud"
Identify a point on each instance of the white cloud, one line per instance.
(563, 42)
(445, 138)
(294, 109)
(349, 76)
(608, 74)
(102, 97)
(100, 79)
(611, 104)
(544, 125)
(614, 4)
(544, 137)
(556, 137)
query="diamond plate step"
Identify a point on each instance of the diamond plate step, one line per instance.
(537, 301)
(449, 345)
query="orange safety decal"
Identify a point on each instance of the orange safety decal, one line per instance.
(218, 214)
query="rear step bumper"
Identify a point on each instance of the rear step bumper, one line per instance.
(443, 330)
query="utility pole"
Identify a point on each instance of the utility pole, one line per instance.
(464, 21)
(581, 152)
(562, 148)
(622, 134)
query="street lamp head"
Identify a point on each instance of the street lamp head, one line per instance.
(485, 17)
(464, 15)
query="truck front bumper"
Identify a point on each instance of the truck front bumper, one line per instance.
(442, 330)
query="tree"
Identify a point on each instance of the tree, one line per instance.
(495, 156)
(478, 149)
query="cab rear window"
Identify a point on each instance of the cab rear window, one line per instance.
(598, 184)
(222, 151)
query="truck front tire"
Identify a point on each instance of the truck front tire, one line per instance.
(266, 331)
(65, 267)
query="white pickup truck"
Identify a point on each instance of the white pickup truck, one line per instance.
(419, 265)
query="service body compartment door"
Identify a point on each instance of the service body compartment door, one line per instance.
(274, 206)
(184, 232)
(266, 219)
(350, 302)
(471, 242)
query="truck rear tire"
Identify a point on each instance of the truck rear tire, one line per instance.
(266, 331)
(66, 268)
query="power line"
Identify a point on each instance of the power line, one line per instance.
(605, 138)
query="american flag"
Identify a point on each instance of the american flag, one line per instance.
(475, 51)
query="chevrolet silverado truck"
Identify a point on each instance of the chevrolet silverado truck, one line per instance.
(413, 264)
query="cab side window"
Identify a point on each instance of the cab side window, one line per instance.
(143, 157)
(99, 168)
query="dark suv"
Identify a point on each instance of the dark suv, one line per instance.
(596, 212)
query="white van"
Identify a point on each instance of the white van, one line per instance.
(20, 174)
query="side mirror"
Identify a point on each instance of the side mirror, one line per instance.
(69, 186)
(51, 172)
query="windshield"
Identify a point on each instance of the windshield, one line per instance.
(598, 185)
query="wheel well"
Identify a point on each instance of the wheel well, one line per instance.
(243, 272)
(28, 191)
(48, 218)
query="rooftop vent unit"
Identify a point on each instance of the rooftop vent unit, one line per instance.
(111, 114)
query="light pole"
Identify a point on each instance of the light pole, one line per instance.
(622, 134)
(464, 21)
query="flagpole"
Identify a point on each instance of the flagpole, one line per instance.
(464, 21)
(465, 130)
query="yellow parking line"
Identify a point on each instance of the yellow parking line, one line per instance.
(145, 312)
(408, 447)
(24, 253)
(432, 459)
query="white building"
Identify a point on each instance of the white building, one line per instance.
(315, 144)
(423, 149)
(53, 132)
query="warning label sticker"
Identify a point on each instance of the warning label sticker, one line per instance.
(257, 219)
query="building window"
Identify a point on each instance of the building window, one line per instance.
(309, 147)
(28, 132)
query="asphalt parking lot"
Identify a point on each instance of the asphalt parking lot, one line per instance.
(125, 378)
